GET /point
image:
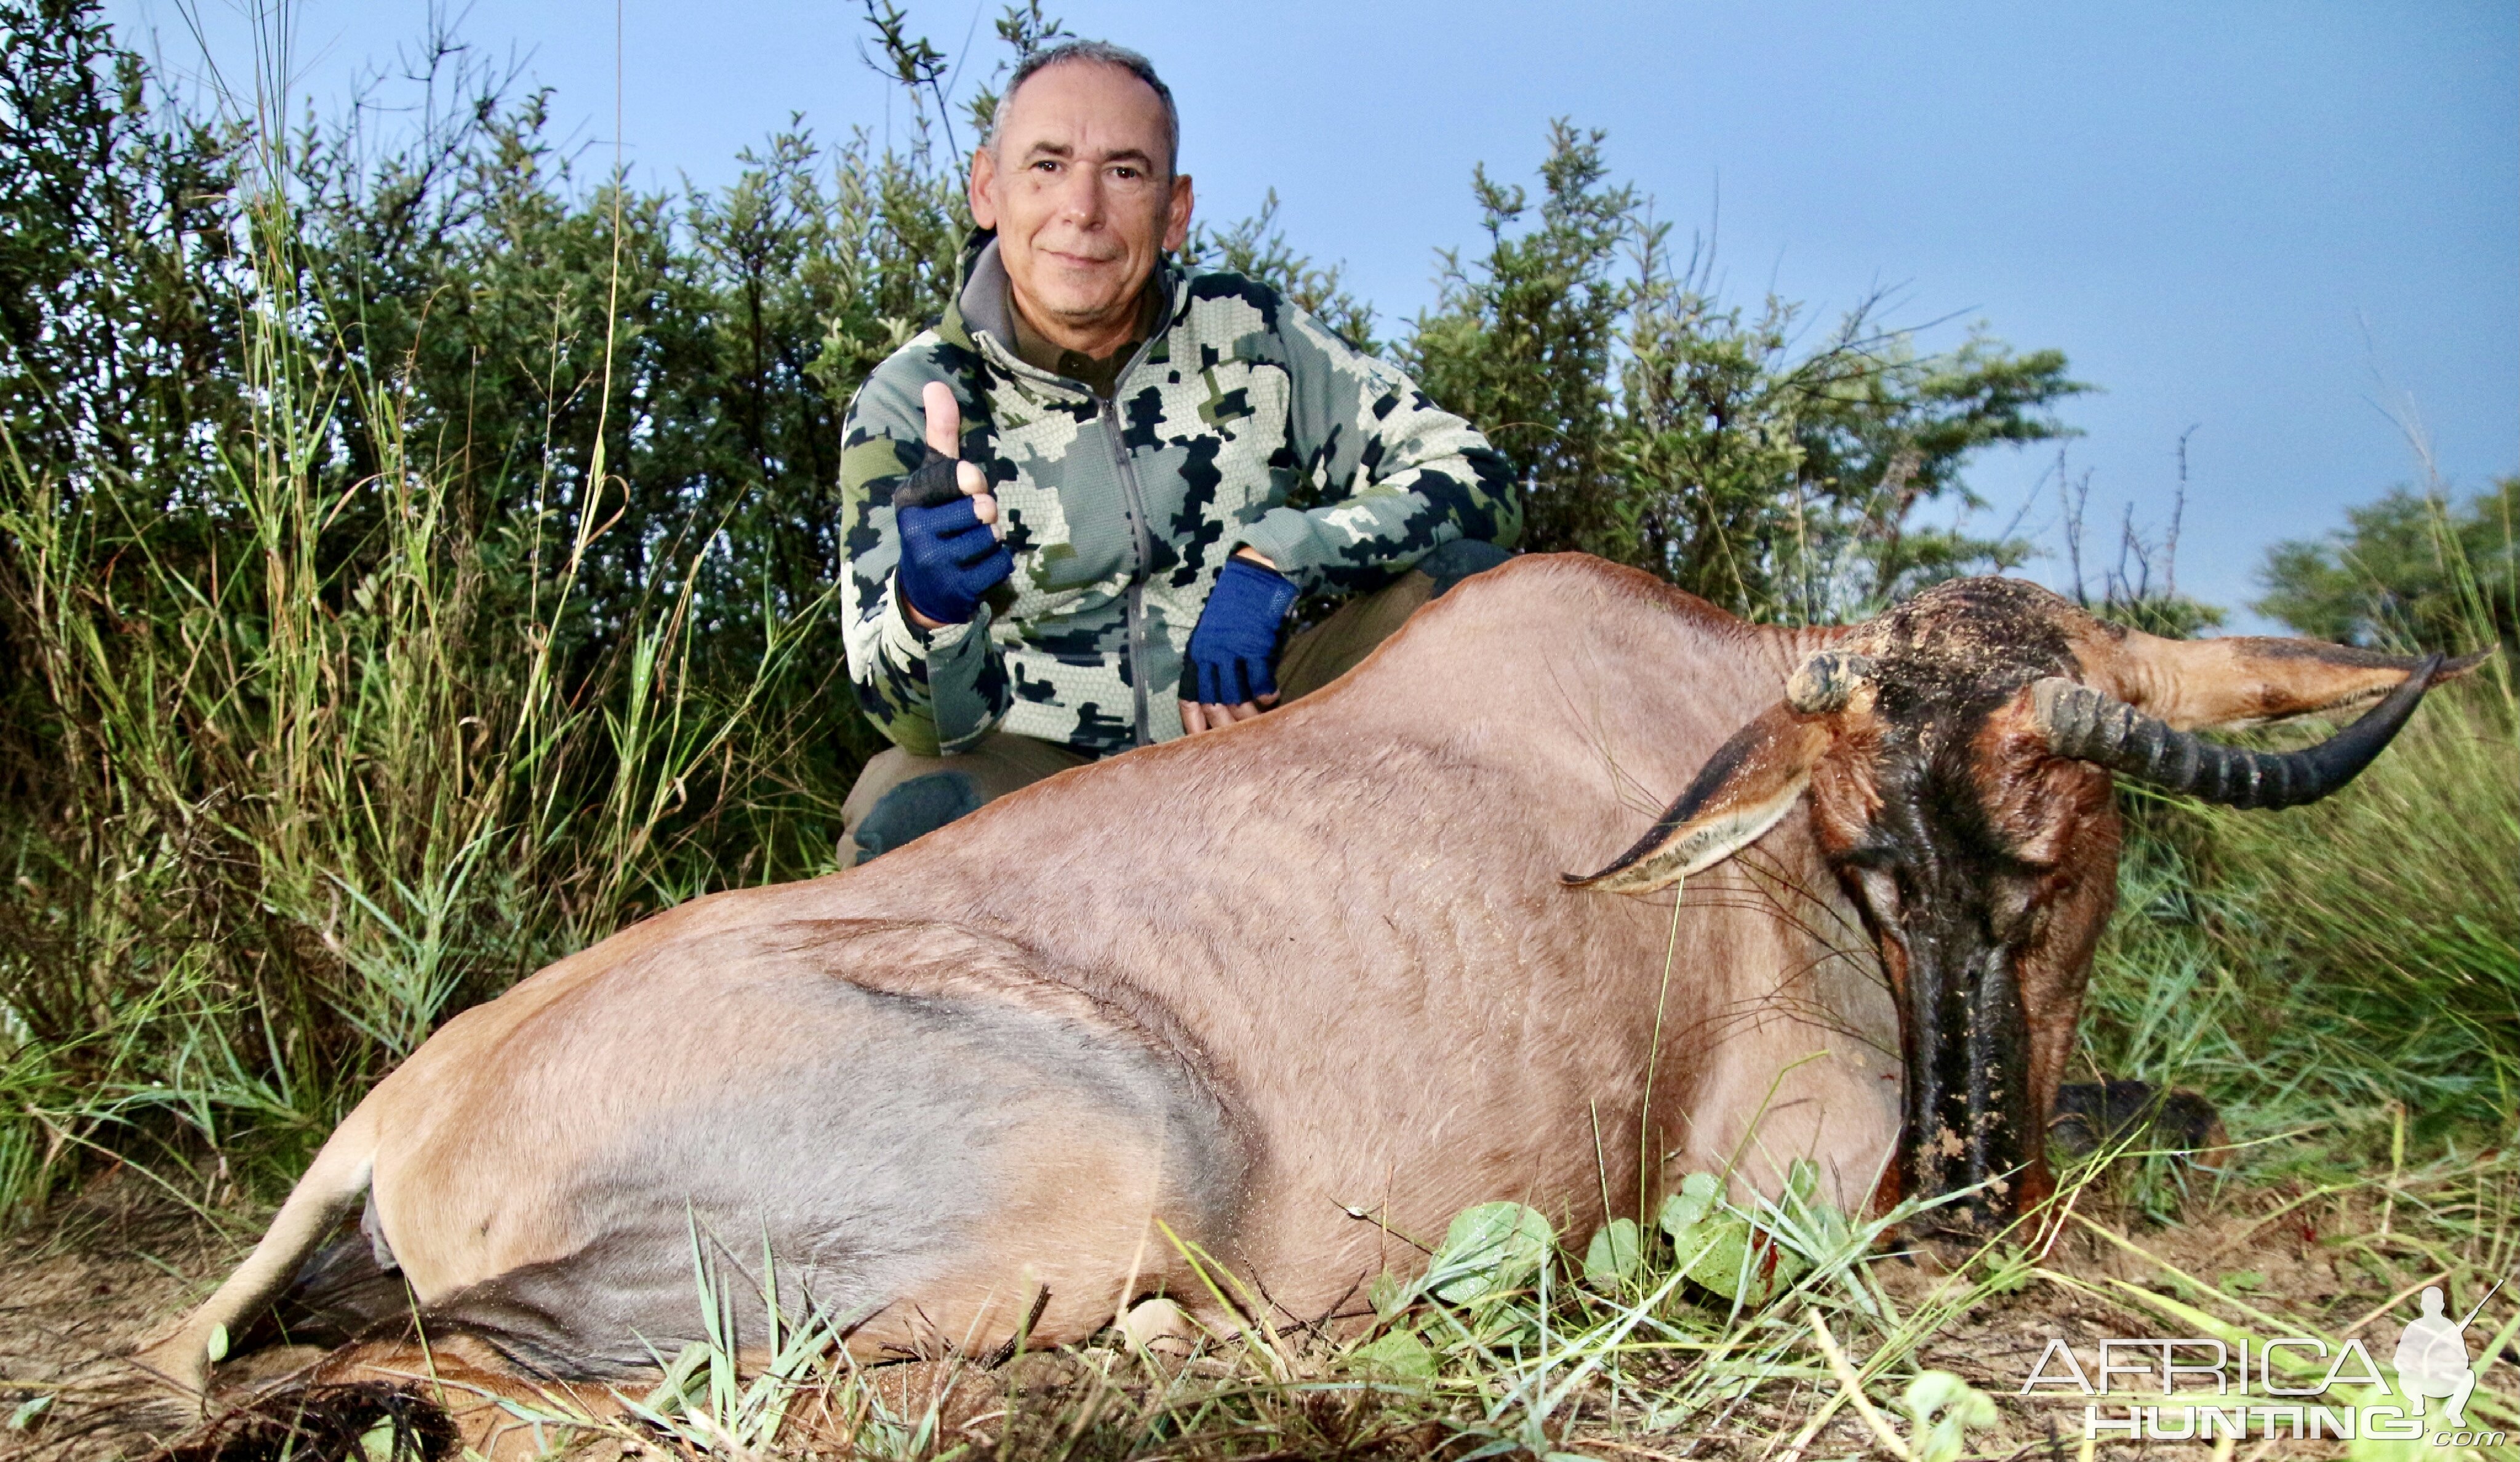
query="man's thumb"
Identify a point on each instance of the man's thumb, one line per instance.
(944, 418)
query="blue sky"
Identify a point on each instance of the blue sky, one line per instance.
(2279, 224)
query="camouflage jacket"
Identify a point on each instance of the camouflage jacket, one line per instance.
(1241, 421)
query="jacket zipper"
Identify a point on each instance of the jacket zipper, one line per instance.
(1142, 553)
(1141, 545)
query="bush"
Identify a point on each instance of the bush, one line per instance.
(1658, 425)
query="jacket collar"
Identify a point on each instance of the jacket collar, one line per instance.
(979, 304)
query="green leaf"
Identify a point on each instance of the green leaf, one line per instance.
(1401, 1354)
(1827, 1229)
(1718, 1249)
(29, 1412)
(1616, 1250)
(1389, 1293)
(377, 1442)
(1696, 1199)
(218, 1349)
(1941, 1410)
(1491, 1248)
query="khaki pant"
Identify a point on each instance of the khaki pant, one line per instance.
(900, 796)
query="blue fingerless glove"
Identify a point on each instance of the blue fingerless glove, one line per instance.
(1230, 651)
(949, 558)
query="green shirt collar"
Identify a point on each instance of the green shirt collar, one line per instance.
(982, 306)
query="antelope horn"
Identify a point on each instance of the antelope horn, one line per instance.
(1826, 681)
(2096, 727)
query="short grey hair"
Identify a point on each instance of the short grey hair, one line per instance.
(1102, 53)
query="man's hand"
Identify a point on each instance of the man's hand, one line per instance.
(1226, 676)
(950, 553)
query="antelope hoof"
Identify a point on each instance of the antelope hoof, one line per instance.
(181, 1362)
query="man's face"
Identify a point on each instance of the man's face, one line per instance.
(1081, 192)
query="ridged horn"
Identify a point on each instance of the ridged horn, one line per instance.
(2093, 725)
(1825, 680)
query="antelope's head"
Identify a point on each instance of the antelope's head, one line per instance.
(1959, 752)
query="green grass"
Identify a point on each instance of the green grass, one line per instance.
(2332, 975)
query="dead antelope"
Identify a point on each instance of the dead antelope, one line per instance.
(1222, 995)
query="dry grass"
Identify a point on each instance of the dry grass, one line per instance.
(1557, 1366)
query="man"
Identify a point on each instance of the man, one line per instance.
(1080, 507)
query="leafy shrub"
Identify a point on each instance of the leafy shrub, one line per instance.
(1655, 425)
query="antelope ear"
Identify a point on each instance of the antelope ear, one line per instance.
(1744, 789)
(2243, 680)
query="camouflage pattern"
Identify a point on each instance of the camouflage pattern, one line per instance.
(1241, 421)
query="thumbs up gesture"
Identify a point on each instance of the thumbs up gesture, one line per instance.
(950, 549)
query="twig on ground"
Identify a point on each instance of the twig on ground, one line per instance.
(1854, 1387)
